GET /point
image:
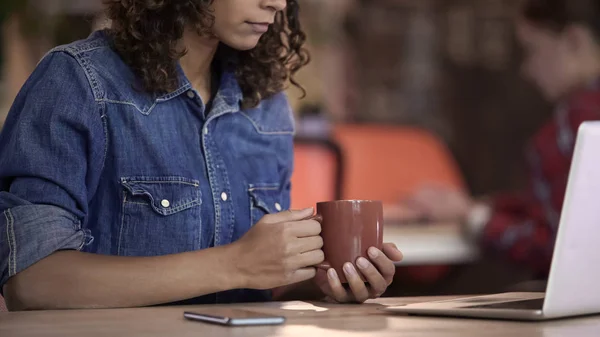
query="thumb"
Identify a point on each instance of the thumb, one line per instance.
(289, 215)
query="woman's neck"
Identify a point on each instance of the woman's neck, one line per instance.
(196, 63)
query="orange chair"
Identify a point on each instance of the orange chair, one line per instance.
(388, 163)
(317, 172)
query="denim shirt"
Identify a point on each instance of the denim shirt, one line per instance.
(89, 163)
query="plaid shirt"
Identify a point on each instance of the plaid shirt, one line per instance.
(523, 225)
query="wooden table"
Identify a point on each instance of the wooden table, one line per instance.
(431, 244)
(310, 320)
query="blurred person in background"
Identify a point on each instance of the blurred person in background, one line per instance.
(148, 164)
(561, 42)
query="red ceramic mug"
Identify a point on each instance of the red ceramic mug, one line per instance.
(349, 228)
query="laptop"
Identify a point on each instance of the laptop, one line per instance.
(573, 287)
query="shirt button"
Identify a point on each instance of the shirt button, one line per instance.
(224, 196)
(206, 130)
(278, 207)
(165, 203)
(191, 94)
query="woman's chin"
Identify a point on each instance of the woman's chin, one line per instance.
(247, 43)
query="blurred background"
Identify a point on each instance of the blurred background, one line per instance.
(398, 92)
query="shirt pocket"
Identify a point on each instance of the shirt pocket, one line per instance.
(264, 199)
(160, 215)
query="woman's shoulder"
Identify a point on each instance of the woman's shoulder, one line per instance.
(70, 65)
(108, 75)
(71, 77)
(96, 41)
(273, 115)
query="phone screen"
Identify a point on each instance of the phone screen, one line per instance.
(233, 317)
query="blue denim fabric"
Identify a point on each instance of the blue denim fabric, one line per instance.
(88, 162)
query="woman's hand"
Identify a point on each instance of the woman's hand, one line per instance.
(281, 249)
(378, 271)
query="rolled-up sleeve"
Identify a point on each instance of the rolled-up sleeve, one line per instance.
(51, 155)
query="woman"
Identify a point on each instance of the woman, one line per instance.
(148, 163)
(561, 40)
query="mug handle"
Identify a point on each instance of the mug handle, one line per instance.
(323, 265)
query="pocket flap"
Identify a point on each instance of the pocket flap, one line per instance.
(266, 197)
(166, 195)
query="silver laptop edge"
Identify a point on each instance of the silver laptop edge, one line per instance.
(575, 269)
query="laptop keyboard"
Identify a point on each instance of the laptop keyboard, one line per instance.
(535, 304)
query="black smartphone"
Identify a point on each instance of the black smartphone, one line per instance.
(234, 317)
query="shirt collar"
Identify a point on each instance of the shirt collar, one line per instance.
(229, 94)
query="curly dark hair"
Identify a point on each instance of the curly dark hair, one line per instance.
(146, 33)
